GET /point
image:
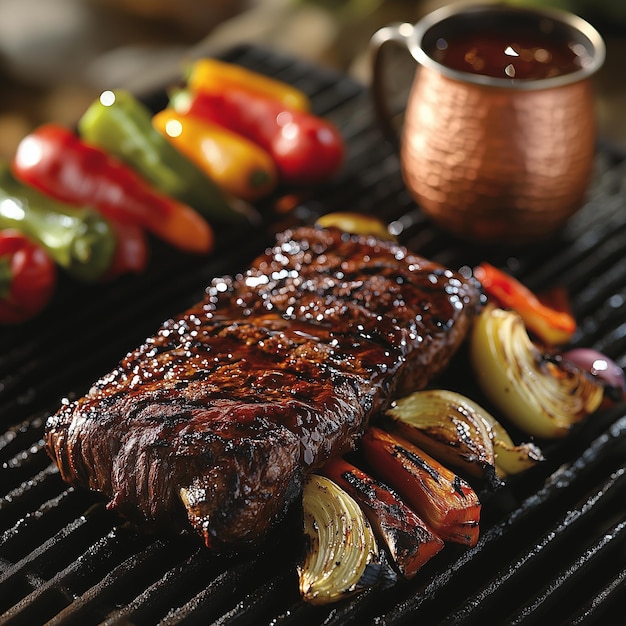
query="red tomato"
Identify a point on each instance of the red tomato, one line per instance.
(27, 278)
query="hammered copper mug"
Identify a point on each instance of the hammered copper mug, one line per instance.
(503, 157)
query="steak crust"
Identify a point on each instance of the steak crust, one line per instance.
(215, 420)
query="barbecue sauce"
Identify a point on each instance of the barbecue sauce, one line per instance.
(509, 53)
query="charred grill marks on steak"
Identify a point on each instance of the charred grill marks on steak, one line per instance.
(229, 404)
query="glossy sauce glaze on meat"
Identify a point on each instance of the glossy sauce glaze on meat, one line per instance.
(215, 419)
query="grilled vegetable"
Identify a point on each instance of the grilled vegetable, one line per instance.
(459, 432)
(446, 427)
(342, 556)
(27, 278)
(131, 250)
(236, 164)
(80, 240)
(600, 366)
(541, 394)
(305, 148)
(356, 223)
(56, 162)
(213, 76)
(511, 458)
(553, 327)
(447, 504)
(409, 541)
(121, 125)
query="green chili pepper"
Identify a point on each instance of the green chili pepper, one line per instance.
(122, 126)
(79, 239)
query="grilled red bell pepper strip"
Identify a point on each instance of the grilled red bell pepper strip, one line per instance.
(79, 239)
(553, 327)
(214, 76)
(27, 277)
(239, 166)
(409, 541)
(121, 125)
(58, 163)
(306, 148)
(447, 504)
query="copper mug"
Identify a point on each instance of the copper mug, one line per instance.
(494, 158)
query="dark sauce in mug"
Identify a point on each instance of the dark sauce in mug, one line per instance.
(526, 55)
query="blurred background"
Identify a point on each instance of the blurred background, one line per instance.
(57, 55)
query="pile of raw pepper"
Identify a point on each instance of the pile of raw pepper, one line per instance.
(87, 200)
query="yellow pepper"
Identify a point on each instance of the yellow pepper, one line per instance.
(212, 75)
(237, 165)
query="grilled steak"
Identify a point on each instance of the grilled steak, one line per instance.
(216, 418)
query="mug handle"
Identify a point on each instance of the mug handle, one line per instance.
(399, 34)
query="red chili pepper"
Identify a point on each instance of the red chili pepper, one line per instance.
(305, 147)
(553, 327)
(27, 278)
(131, 250)
(57, 162)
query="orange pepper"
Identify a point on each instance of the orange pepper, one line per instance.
(553, 327)
(211, 75)
(237, 165)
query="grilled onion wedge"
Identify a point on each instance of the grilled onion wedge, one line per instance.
(459, 432)
(446, 426)
(541, 394)
(342, 556)
(511, 458)
(446, 503)
(410, 543)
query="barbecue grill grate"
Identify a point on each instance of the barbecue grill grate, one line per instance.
(553, 543)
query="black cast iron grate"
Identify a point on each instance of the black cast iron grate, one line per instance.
(553, 544)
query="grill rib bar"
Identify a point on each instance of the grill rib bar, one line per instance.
(516, 530)
(140, 568)
(552, 603)
(606, 603)
(68, 544)
(182, 581)
(60, 590)
(546, 561)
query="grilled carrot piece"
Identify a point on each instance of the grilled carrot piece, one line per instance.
(442, 499)
(409, 541)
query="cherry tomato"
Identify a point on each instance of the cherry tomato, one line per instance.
(27, 278)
